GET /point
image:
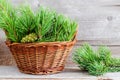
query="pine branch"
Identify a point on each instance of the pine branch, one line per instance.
(96, 62)
(7, 19)
(46, 24)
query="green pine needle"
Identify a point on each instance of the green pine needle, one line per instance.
(96, 62)
(7, 20)
(97, 68)
(47, 24)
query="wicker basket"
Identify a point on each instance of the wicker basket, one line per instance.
(41, 58)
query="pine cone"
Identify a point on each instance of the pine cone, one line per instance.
(29, 38)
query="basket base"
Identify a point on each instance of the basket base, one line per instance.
(44, 72)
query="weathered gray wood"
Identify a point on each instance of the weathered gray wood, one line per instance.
(83, 3)
(2, 36)
(97, 19)
(51, 79)
(70, 73)
(100, 42)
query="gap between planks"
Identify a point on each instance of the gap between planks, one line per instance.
(111, 43)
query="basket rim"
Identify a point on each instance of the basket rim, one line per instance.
(73, 41)
(57, 43)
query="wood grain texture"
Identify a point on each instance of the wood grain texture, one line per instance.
(96, 42)
(70, 73)
(64, 79)
(49, 79)
(97, 19)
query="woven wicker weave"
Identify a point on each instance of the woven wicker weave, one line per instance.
(41, 58)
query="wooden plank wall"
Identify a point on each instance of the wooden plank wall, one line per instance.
(99, 22)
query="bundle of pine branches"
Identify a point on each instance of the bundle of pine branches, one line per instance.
(45, 24)
(96, 62)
